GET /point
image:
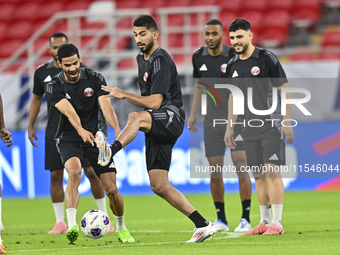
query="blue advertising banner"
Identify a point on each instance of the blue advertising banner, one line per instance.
(313, 154)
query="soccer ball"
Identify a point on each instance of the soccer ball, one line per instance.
(95, 224)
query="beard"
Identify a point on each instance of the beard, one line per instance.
(70, 78)
(217, 44)
(245, 47)
(147, 48)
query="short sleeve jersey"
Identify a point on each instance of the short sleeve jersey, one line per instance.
(158, 75)
(262, 72)
(83, 96)
(210, 70)
(42, 76)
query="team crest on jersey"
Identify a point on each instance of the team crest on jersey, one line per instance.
(145, 77)
(88, 92)
(255, 70)
(224, 68)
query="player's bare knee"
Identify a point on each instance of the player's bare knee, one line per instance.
(111, 191)
(56, 176)
(134, 118)
(158, 189)
(89, 172)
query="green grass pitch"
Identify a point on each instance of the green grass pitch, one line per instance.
(311, 222)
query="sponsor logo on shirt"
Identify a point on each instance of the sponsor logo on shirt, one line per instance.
(235, 74)
(88, 92)
(48, 79)
(145, 77)
(255, 70)
(224, 68)
(203, 68)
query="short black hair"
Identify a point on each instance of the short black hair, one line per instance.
(59, 34)
(214, 22)
(239, 24)
(145, 21)
(67, 50)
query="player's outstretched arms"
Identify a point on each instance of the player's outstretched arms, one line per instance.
(65, 107)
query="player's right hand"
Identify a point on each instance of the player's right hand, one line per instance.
(87, 136)
(229, 139)
(191, 124)
(32, 134)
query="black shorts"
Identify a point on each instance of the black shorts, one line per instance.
(268, 150)
(166, 127)
(82, 150)
(214, 139)
(52, 156)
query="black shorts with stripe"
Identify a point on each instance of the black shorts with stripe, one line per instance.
(214, 139)
(53, 160)
(166, 127)
(268, 150)
(85, 151)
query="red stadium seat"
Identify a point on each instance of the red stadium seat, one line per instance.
(48, 9)
(175, 20)
(131, 4)
(331, 38)
(302, 57)
(123, 43)
(77, 5)
(178, 59)
(92, 25)
(273, 37)
(177, 3)
(175, 40)
(3, 30)
(42, 43)
(127, 63)
(203, 2)
(328, 56)
(51, 30)
(306, 11)
(279, 5)
(258, 5)
(7, 11)
(8, 47)
(277, 19)
(231, 5)
(154, 4)
(21, 30)
(26, 11)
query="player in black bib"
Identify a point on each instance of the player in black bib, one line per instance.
(76, 93)
(209, 68)
(42, 76)
(162, 121)
(259, 70)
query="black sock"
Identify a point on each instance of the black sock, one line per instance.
(198, 220)
(246, 209)
(220, 211)
(115, 147)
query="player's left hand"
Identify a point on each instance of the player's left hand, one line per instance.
(114, 92)
(6, 137)
(288, 132)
